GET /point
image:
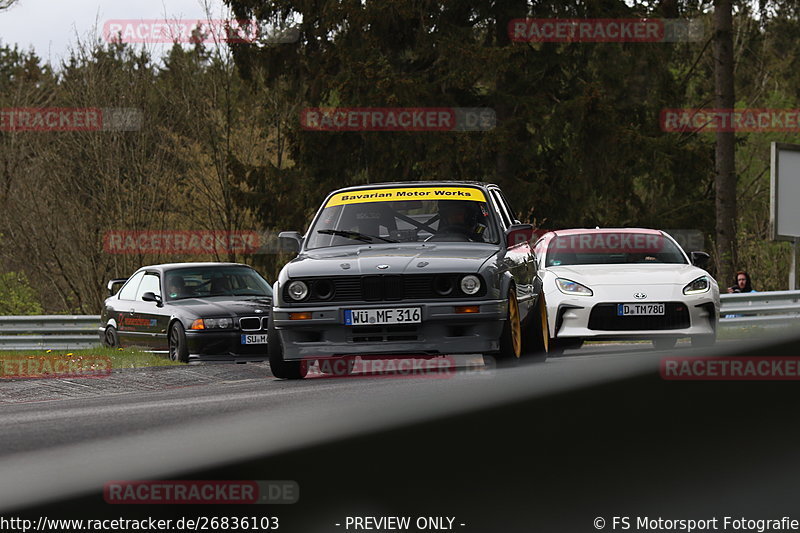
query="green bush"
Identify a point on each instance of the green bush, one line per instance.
(17, 297)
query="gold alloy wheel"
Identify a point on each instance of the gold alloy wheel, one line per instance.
(516, 330)
(543, 320)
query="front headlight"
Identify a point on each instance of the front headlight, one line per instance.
(298, 290)
(470, 284)
(212, 323)
(567, 286)
(698, 286)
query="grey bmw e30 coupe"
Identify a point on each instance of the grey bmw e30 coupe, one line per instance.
(411, 269)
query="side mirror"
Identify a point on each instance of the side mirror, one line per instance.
(291, 241)
(518, 234)
(151, 297)
(112, 285)
(700, 259)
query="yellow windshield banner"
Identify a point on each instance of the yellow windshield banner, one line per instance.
(407, 193)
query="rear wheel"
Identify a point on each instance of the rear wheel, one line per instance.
(280, 368)
(110, 337)
(178, 348)
(665, 343)
(339, 366)
(511, 337)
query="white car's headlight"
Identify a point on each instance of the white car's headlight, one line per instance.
(298, 290)
(470, 284)
(567, 286)
(698, 286)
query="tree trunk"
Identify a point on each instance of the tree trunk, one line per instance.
(725, 179)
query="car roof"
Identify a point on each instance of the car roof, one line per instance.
(479, 184)
(582, 231)
(172, 266)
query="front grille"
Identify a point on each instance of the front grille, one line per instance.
(604, 318)
(385, 288)
(383, 333)
(253, 323)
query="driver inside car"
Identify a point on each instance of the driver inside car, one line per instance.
(176, 287)
(461, 217)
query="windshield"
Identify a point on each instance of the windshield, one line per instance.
(612, 248)
(421, 214)
(201, 282)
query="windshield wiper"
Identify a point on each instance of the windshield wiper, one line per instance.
(356, 236)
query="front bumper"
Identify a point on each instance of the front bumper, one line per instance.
(571, 316)
(442, 330)
(224, 346)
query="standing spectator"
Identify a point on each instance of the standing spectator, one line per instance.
(743, 283)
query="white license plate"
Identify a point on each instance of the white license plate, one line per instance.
(254, 339)
(640, 309)
(374, 317)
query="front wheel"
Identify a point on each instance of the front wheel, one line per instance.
(537, 342)
(511, 336)
(178, 348)
(281, 368)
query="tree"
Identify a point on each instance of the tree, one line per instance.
(725, 181)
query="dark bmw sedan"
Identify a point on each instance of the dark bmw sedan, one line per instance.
(193, 311)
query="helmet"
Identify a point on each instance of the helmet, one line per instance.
(460, 216)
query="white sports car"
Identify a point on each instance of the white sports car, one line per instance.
(625, 284)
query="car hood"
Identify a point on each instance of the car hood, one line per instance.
(219, 306)
(655, 274)
(419, 259)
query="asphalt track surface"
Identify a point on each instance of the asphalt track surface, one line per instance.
(591, 433)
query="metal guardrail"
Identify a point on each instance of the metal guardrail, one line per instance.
(773, 308)
(49, 332)
(67, 332)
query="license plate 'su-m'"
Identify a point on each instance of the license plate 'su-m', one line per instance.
(254, 339)
(375, 317)
(640, 309)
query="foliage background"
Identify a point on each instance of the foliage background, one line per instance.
(578, 141)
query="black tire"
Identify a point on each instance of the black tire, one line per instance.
(664, 343)
(704, 341)
(110, 337)
(537, 343)
(282, 369)
(511, 336)
(339, 366)
(178, 348)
